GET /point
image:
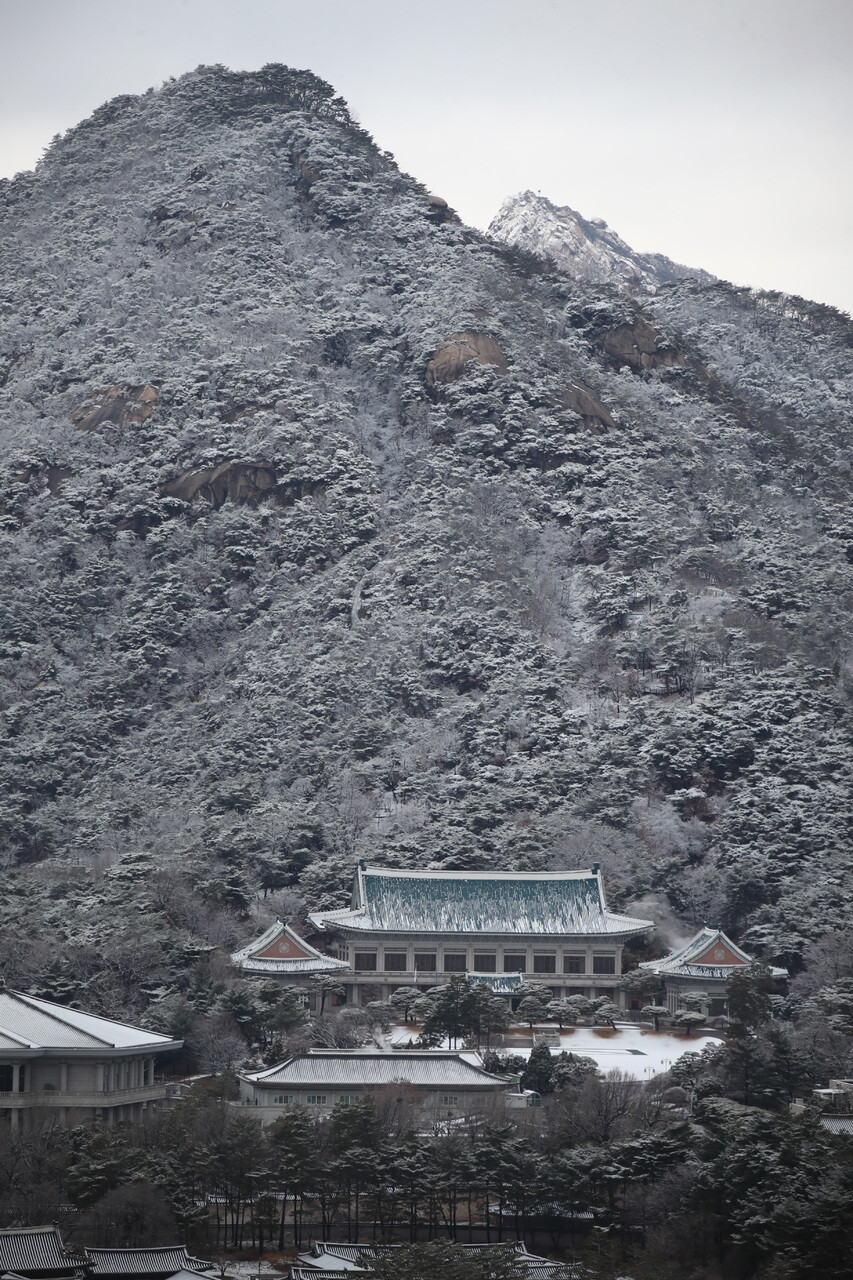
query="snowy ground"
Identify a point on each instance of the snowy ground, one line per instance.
(639, 1052)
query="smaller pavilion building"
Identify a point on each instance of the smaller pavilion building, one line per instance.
(281, 953)
(702, 965)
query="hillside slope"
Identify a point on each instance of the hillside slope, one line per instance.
(584, 247)
(333, 529)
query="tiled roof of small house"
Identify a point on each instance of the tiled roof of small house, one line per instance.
(330, 1258)
(365, 1068)
(711, 954)
(488, 902)
(280, 950)
(36, 1251)
(327, 1273)
(169, 1261)
(27, 1023)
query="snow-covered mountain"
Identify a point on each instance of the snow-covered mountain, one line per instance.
(586, 248)
(332, 529)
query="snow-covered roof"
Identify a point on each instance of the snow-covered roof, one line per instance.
(526, 903)
(281, 951)
(501, 983)
(710, 954)
(328, 1273)
(170, 1262)
(837, 1124)
(36, 1250)
(31, 1026)
(366, 1068)
(330, 1258)
(312, 1273)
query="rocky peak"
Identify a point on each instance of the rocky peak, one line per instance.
(586, 248)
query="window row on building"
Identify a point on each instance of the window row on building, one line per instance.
(544, 962)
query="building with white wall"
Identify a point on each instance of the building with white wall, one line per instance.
(441, 1083)
(70, 1066)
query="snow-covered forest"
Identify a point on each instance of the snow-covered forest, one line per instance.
(284, 587)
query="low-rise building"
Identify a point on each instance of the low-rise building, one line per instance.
(171, 1262)
(71, 1066)
(443, 1083)
(418, 928)
(327, 1260)
(704, 965)
(37, 1253)
(281, 954)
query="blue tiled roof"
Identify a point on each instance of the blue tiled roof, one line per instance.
(524, 903)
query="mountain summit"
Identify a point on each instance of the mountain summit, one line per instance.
(586, 248)
(333, 529)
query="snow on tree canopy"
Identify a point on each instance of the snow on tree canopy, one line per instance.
(547, 903)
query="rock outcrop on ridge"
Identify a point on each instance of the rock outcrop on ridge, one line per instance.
(287, 580)
(584, 247)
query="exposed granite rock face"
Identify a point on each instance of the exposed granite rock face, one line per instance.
(237, 482)
(639, 346)
(583, 402)
(439, 211)
(585, 248)
(451, 357)
(116, 404)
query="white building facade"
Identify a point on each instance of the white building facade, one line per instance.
(443, 1083)
(71, 1066)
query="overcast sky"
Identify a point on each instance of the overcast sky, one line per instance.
(715, 131)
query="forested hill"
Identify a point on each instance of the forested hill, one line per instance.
(333, 529)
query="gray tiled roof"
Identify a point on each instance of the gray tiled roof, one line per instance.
(35, 1250)
(167, 1261)
(315, 1273)
(838, 1124)
(29, 1023)
(523, 903)
(341, 1068)
(328, 1259)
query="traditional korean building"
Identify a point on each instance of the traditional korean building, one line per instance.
(420, 927)
(38, 1253)
(328, 1260)
(702, 965)
(171, 1262)
(67, 1065)
(445, 1082)
(281, 953)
